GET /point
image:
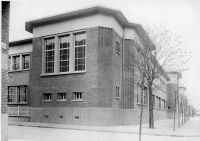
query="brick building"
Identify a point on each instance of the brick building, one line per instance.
(5, 12)
(79, 68)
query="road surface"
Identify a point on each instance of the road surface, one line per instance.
(24, 133)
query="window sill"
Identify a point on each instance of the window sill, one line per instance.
(12, 103)
(139, 104)
(77, 100)
(61, 100)
(62, 73)
(46, 101)
(13, 71)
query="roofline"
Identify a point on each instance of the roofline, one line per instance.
(20, 42)
(78, 13)
(118, 15)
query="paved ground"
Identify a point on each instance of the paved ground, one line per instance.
(191, 130)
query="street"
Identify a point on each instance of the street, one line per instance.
(24, 133)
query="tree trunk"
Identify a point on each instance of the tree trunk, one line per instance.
(151, 118)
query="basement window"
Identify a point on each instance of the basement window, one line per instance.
(77, 96)
(47, 97)
(61, 97)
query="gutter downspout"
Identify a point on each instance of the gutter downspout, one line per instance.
(122, 89)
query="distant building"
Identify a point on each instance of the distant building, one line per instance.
(173, 93)
(79, 68)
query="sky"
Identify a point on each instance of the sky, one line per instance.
(181, 17)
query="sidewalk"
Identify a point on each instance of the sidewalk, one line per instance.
(162, 128)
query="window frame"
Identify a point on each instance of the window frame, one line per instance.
(10, 57)
(46, 100)
(62, 99)
(79, 46)
(68, 48)
(23, 61)
(77, 99)
(44, 55)
(71, 54)
(17, 94)
(117, 94)
(13, 64)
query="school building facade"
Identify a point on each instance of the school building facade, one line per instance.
(79, 69)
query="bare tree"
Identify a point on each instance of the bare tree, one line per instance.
(160, 50)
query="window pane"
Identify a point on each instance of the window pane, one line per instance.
(49, 55)
(16, 62)
(80, 41)
(64, 53)
(12, 94)
(47, 96)
(26, 61)
(22, 93)
(61, 96)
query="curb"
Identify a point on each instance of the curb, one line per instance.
(95, 129)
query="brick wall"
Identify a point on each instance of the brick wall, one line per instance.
(5, 22)
(128, 75)
(4, 40)
(96, 83)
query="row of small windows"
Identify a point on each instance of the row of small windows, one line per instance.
(19, 62)
(158, 102)
(64, 48)
(61, 96)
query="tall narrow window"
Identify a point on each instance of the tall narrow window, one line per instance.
(49, 55)
(80, 43)
(117, 92)
(12, 95)
(26, 61)
(16, 62)
(64, 53)
(22, 94)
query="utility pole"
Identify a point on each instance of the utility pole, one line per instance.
(174, 125)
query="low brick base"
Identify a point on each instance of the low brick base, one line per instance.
(92, 116)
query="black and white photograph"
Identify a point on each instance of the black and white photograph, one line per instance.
(100, 70)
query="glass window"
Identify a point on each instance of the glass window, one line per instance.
(47, 96)
(49, 55)
(117, 92)
(26, 61)
(12, 94)
(78, 95)
(17, 94)
(61, 96)
(117, 47)
(21, 94)
(64, 53)
(16, 62)
(80, 43)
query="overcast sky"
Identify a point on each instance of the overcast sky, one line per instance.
(179, 16)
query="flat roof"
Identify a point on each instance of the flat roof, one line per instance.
(20, 42)
(118, 15)
(80, 13)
